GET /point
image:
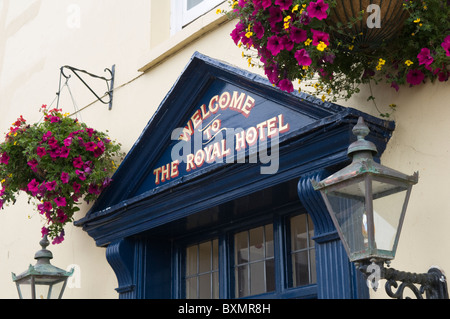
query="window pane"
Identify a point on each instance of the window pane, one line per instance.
(269, 240)
(241, 247)
(257, 244)
(257, 278)
(241, 276)
(302, 251)
(254, 261)
(193, 3)
(202, 266)
(299, 236)
(300, 267)
(204, 283)
(205, 257)
(191, 288)
(191, 260)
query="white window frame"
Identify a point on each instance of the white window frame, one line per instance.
(181, 16)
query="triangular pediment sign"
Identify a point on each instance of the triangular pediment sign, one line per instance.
(222, 118)
(215, 116)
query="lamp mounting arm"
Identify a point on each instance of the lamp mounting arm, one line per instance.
(109, 82)
(433, 283)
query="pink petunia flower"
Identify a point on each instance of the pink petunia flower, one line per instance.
(50, 185)
(446, 45)
(258, 29)
(303, 57)
(286, 85)
(415, 77)
(78, 162)
(41, 151)
(425, 57)
(284, 4)
(65, 177)
(275, 45)
(298, 35)
(318, 9)
(4, 159)
(33, 187)
(60, 201)
(320, 36)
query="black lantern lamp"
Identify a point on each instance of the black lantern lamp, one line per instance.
(367, 203)
(43, 280)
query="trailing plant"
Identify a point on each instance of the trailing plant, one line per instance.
(299, 40)
(57, 162)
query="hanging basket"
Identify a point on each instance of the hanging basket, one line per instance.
(364, 36)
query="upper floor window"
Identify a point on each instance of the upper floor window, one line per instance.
(186, 11)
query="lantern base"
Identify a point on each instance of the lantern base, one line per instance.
(432, 284)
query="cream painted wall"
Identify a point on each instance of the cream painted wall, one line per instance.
(37, 37)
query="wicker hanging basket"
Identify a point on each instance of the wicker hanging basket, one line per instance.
(392, 17)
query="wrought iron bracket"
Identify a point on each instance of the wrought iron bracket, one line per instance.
(432, 284)
(109, 82)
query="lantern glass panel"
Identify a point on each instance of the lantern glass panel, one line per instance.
(48, 288)
(348, 205)
(388, 201)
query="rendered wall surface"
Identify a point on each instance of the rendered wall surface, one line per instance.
(37, 37)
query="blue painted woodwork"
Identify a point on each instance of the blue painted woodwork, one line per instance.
(138, 219)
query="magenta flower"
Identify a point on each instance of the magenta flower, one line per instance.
(276, 15)
(237, 33)
(284, 4)
(44, 231)
(90, 146)
(425, 57)
(4, 159)
(258, 29)
(60, 201)
(33, 163)
(58, 239)
(62, 217)
(275, 45)
(46, 136)
(33, 187)
(446, 45)
(76, 187)
(286, 85)
(298, 35)
(50, 185)
(65, 177)
(266, 3)
(93, 189)
(41, 151)
(320, 36)
(68, 141)
(64, 152)
(303, 57)
(415, 77)
(318, 9)
(78, 162)
(80, 174)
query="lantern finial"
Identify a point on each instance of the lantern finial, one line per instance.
(361, 130)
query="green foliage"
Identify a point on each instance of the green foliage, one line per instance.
(57, 162)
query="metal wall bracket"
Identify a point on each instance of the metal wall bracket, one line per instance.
(432, 284)
(109, 82)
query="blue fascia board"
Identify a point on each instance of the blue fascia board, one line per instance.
(323, 143)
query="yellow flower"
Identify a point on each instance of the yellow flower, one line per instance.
(350, 47)
(295, 8)
(409, 62)
(218, 11)
(323, 98)
(249, 34)
(308, 42)
(235, 4)
(417, 20)
(321, 46)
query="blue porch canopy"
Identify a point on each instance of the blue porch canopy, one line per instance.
(220, 134)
